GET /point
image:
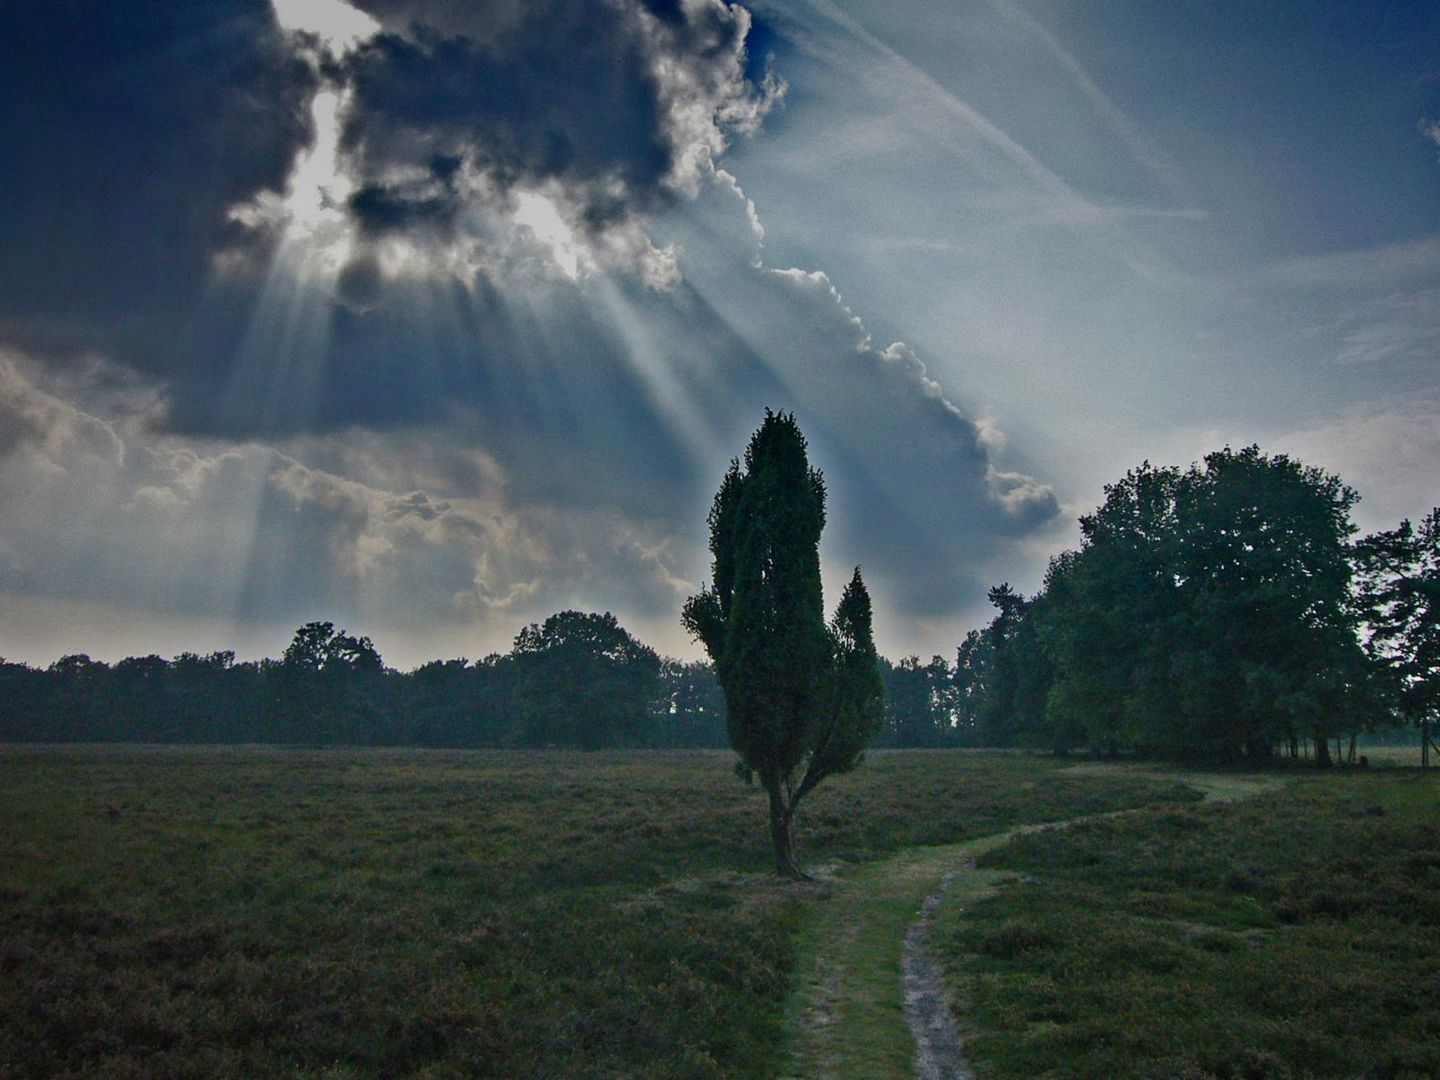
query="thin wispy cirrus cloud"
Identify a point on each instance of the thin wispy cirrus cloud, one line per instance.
(432, 318)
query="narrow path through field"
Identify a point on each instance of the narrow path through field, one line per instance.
(938, 1053)
(870, 1004)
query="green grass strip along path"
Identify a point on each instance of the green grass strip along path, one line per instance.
(846, 1018)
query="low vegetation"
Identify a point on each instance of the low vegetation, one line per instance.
(251, 912)
(1294, 935)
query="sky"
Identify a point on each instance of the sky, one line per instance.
(431, 318)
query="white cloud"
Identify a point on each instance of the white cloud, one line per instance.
(338, 25)
(727, 180)
(703, 102)
(1431, 130)
(1368, 269)
(1388, 451)
(559, 169)
(538, 214)
(1021, 497)
(116, 515)
(1404, 326)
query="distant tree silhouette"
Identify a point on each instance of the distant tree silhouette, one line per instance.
(582, 680)
(331, 688)
(457, 703)
(329, 685)
(26, 698)
(998, 716)
(920, 702)
(78, 687)
(802, 699)
(1268, 632)
(1109, 618)
(690, 708)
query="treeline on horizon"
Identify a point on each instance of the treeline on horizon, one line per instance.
(1223, 613)
(576, 680)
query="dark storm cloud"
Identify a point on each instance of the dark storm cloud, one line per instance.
(140, 139)
(574, 103)
(273, 472)
(611, 101)
(129, 131)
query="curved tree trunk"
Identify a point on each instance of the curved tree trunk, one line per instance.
(783, 838)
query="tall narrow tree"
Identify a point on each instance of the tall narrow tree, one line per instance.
(802, 699)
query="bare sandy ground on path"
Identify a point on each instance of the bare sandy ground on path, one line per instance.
(940, 1053)
(846, 1023)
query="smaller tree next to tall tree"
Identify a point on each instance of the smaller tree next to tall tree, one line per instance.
(802, 699)
(1399, 574)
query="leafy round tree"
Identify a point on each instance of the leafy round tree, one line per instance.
(1209, 614)
(329, 683)
(583, 681)
(803, 699)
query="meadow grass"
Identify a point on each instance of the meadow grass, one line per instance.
(1292, 935)
(338, 913)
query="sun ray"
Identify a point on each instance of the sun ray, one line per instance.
(661, 374)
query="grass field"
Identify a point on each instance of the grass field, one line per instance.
(245, 913)
(1293, 935)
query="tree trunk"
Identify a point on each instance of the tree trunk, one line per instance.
(1322, 749)
(782, 837)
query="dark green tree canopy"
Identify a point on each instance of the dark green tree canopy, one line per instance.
(318, 646)
(920, 702)
(1399, 598)
(803, 699)
(582, 680)
(1208, 614)
(329, 680)
(331, 688)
